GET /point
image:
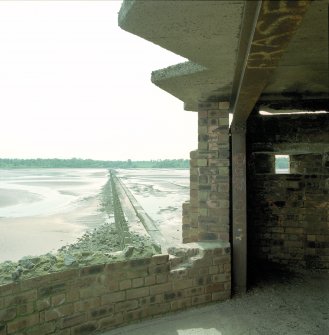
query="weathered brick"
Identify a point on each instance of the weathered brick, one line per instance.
(111, 321)
(150, 300)
(137, 282)
(89, 292)
(161, 278)
(182, 284)
(113, 297)
(181, 304)
(22, 323)
(173, 295)
(150, 280)
(126, 305)
(72, 295)
(21, 299)
(215, 287)
(58, 299)
(43, 304)
(58, 312)
(125, 284)
(73, 320)
(220, 296)
(193, 291)
(101, 312)
(201, 299)
(137, 314)
(160, 288)
(160, 259)
(84, 329)
(8, 313)
(159, 309)
(25, 309)
(156, 269)
(44, 329)
(51, 289)
(137, 293)
(85, 305)
(92, 270)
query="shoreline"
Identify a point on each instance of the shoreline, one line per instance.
(48, 233)
(41, 212)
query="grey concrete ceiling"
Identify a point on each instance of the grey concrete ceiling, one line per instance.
(303, 68)
(210, 33)
(205, 32)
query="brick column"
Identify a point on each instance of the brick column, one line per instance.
(206, 217)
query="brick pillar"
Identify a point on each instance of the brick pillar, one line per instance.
(206, 216)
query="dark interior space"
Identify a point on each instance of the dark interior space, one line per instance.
(288, 212)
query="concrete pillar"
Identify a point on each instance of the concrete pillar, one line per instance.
(239, 208)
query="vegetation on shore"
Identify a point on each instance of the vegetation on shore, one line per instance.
(16, 163)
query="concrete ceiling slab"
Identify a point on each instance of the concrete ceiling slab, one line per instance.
(249, 50)
(303, 69)
(205, 32)
(274, 25)
(193, 83)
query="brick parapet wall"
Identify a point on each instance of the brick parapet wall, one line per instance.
(99, 297)
(288, 215)
(208, 209)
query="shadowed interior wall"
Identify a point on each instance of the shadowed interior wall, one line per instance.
(288, 214)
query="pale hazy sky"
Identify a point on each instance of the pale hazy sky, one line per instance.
(73, 84)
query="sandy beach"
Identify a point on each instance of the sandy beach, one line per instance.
(41, 211)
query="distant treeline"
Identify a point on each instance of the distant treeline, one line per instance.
(6, 163)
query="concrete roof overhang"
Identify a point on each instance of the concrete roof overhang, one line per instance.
(205, 32)
(251, 52)
(193, 83)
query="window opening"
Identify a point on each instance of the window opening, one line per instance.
(282, 164)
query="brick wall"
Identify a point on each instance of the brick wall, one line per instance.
(206, 215)
(100, 297)
(288, 215)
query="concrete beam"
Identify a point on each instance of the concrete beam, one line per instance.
(270, 26)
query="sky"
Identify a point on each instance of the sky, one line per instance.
(73, 84)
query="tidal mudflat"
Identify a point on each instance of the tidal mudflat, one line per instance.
(161, 193)
(42, 210)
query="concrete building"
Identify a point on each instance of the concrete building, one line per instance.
(245, 57)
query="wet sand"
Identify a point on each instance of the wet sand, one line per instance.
(43, 210)
(10, 197)
(41, 234)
